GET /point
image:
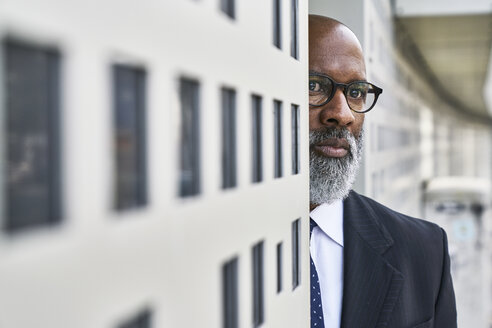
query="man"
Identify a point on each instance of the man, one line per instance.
(371, 266)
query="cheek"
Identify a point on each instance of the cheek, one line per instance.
(357, 125)
(314, 119)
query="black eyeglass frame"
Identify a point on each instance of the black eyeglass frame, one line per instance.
(345, 86)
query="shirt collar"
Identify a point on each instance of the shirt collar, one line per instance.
(329, 218)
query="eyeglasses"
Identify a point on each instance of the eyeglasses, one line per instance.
(361, 96)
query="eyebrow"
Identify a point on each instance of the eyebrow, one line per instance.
(320, 73)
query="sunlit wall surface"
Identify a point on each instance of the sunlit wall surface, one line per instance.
(414, 135)
(154, 164)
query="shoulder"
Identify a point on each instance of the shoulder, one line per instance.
(417, 249)
(402, 228)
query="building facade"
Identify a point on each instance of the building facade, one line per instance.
(154, 172)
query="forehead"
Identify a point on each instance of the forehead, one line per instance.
(336, 52)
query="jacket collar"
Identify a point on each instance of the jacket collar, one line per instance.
(371, 284)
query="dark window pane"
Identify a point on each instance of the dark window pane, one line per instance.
(258, 300)
(190, 132)
(294, 41)
(279, 267)
(228, 138)
(230, 297)
(228, 7)
(277, 121)
(142, 320)
(32, 86)
(129, 116)
(296, 235)
(257, 138)
(277, 24)
(295, 139)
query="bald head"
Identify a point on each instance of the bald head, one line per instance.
(322, 22)
(330, 40)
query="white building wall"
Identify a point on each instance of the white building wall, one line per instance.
(100, 266)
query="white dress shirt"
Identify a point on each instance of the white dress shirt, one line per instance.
(326, 247)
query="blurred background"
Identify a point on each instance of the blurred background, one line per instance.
(154, 163)
(428, 147)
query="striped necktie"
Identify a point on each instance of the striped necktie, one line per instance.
(316, 307)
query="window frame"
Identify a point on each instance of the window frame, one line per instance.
(277, 132)
(189, 137)
(295, 120)
(140, 190)
(296, 253)
(230, 293)
(258, 274)
(229, 137)
(277, 23)
(257, 138)
(52, 92)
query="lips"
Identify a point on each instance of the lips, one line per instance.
(332, 147)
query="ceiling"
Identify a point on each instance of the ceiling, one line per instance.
(456, 49)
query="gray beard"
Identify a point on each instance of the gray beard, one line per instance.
(332, 178)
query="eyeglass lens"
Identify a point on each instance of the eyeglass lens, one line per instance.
(360, 95)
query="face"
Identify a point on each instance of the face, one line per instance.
(335, 130)
(335, 53)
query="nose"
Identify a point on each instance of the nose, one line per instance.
(336, 113)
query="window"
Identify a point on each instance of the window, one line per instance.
(294, 41)
(296, 234)
(277, 129)
(277, 24)
(228, 7)
(228, 138)
(230, 294)
(142, 320)
(295, 139)
(189, 165)
(129, 137)
(279, 267)
(258, 300)
(32, 138)
(257, 138)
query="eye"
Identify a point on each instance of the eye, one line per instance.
(356, 93)
(314, 86)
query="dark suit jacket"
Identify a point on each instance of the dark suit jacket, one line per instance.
(396, 269)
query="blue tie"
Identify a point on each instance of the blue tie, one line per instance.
(316, 308)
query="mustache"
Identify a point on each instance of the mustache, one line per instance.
(318, 136)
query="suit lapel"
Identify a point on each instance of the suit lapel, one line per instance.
(371, 285)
